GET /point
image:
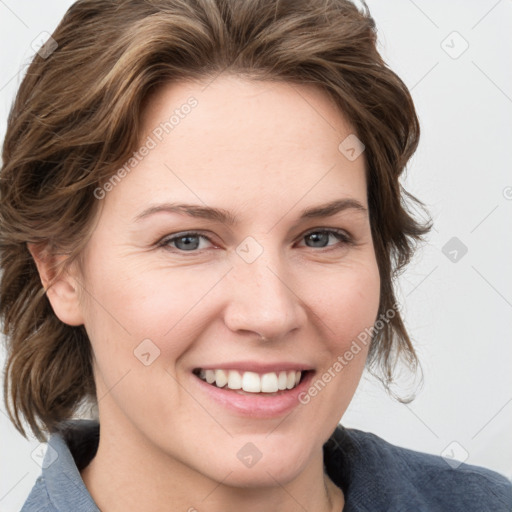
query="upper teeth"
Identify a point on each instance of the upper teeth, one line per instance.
(252, 382)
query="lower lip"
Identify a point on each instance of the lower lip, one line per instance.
(256, 405)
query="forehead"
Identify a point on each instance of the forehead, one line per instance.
(244, 141)
(276, 112)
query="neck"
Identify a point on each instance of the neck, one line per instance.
(129, 473)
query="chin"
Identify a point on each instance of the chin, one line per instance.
(263, 468)
(264, 475)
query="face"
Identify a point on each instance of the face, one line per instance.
(260, 291)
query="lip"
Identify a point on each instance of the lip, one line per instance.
(256, 406)
(248, 366)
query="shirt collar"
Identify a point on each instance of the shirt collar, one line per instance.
(61, 473)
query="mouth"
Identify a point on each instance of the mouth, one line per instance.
(254, 390)
(252, 383)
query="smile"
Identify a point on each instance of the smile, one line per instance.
(254, 389)
(250, 382)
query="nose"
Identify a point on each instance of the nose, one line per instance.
(263, 299)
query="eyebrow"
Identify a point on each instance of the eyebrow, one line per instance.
(226, 217)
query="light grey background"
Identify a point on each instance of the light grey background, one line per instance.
(458, 313)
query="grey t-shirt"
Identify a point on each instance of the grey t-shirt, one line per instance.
(375, 476)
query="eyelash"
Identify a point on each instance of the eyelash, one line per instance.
(343, 237)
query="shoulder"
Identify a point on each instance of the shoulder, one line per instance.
(415, 478)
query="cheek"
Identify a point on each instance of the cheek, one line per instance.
(348, 308)
(172, 306)
(157, 302)
(347, 302)
(345, 309)
(127, 304)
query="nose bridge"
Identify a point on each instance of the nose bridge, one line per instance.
(262, 300)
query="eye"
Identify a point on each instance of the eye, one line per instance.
(191, 241)
(320, 237)
(186, 242)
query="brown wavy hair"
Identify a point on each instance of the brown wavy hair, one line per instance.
(76, 118)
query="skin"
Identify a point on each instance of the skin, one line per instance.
(264, 151)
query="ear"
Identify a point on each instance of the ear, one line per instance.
(62, 290)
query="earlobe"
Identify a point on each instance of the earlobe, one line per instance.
(61, 289)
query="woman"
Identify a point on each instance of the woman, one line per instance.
(201, 219)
